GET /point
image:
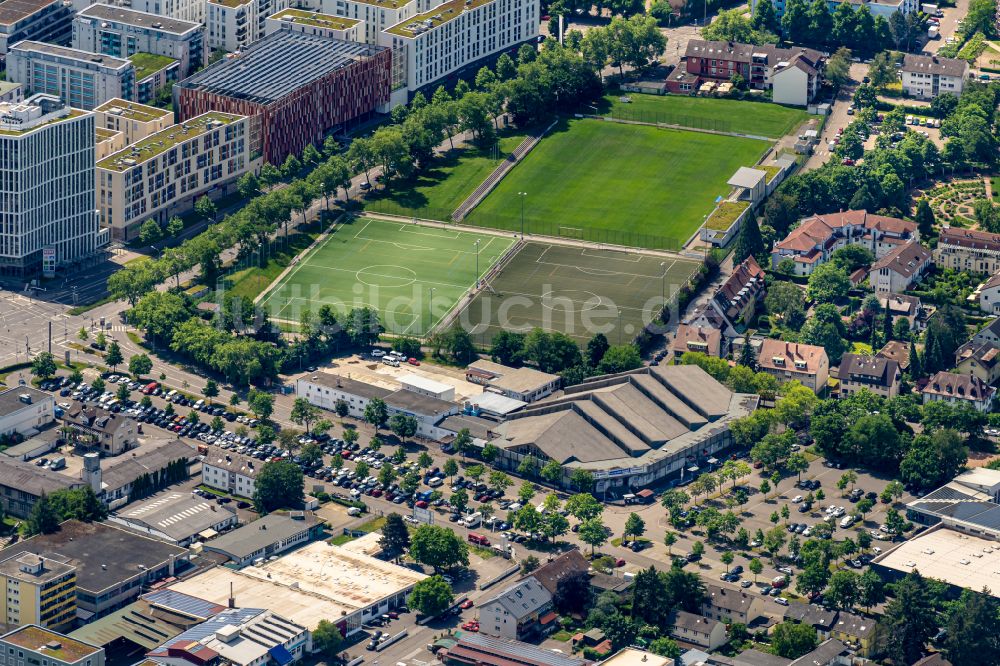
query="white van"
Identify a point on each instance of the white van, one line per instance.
(435, 482)
(846, 522)
(390, 360)
(473, 520)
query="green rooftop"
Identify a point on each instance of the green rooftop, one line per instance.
(157, 144)
(772, 171)
(103, 134)
(132, 110)
(302, 17)
(437, 16)
(388, 4)
(725, 214)
(230, 3)
(147, 64)
(31, 637)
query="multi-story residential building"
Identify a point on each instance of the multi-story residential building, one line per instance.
(32, 644)
(987, 295)
(234, 24)
(314, 23)
(162, 174)
(900, 268)
(182, 10)
(24, 410)
(40, 20)
(94, 428)
(968, 250)
(296, 88)
(959, 389)
(697, 630)
(794, 74)
(133, 120)
(730, 606)
(453, 35)
(123, 33)
(47, 215)
(876, 374)
(230, 472)
(520, 611)
(816, 238)
(981, 359)
(38, 590)
(927, 76)
(733, 302)
(701, 339)
(80, 78)
(377, 15)
(808, 364)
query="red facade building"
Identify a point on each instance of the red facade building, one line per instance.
(294, 86)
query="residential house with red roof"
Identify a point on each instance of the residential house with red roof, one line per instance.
(958, 389)
(968, 250)
(816, 238)
(787, 361)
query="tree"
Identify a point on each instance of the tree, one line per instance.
(620, 358)
(43, 519)
(304, 413)
(786, 304)
(376, 413)
(826, 329)
(139, 365)
(727, 558)
(499, 481)
(43, 365)
(438, 547)
(973, 630)
(113, 357)
(261, 404)
(459, 500)
(403, 426)
(748, 242)
(669, 539)
(593, 533)
(584, 506)
(597, 347)
(924, 216)
(327, 640)
(842, 590)
(883, 70)
(552, 471)
(635, 526)
(838, 67)
(828, 282)
(175, 226)
(78, 504)
(341, 408)
(279, 484)
(395, 536)
(432, 596)
(206, 208)
(450, 467)
(462, 441)
(909, 620)
(581, 480)
(791, 640)
(870, 592)
(755, 566)
(211, 390)
(933, 459)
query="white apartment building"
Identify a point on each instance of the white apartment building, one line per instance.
(162, 174)
(40, 20)
(378, 15)
(182, 10)
(80, 78)
(314, 23)
(47, 215)
(230, 472)
(452, 35)
(122, 33)
(926, 77)
(24, 410)
(233, 24)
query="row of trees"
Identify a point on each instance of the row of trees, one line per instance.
(558, 353)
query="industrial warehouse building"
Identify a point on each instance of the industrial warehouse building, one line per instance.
(629, 429)
(295, 87)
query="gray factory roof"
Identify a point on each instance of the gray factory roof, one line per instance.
(278, 65)
(179, 515)
(255, 536)
(141, 19)
(11, 402)
(636, 416)
(82, 58)
(27, 477)
(104, 556)
(12, 11)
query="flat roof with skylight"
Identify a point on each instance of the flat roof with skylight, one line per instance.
(131, 110)
(315, 19)
(49, 643)
(957, 558)
(421, 23)
(157, 144)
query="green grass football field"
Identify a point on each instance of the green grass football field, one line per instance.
(579, 291)
(725, 115)
(621, 184)
(413, 275)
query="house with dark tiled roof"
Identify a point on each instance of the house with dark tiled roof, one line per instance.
(900, 268)
(821, 619)
(732, 303)
(96, 429)
(927, 76)
(959, 389)
(877, 374)
(697, 630)
(569, 564)
(979, 359)
(816, 238)
(729, 605)
(519, 611)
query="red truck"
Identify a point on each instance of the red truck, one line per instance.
(478, 539)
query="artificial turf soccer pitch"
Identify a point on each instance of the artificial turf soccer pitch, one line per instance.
(412, 274)
(617, 183)
(579, 291)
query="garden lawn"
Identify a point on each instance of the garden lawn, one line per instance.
(725, 115)
(436, 192)
(622, 184)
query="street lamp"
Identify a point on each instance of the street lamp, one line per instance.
(430, 307)
(663, 282)
(477, 263)
(522, 195)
